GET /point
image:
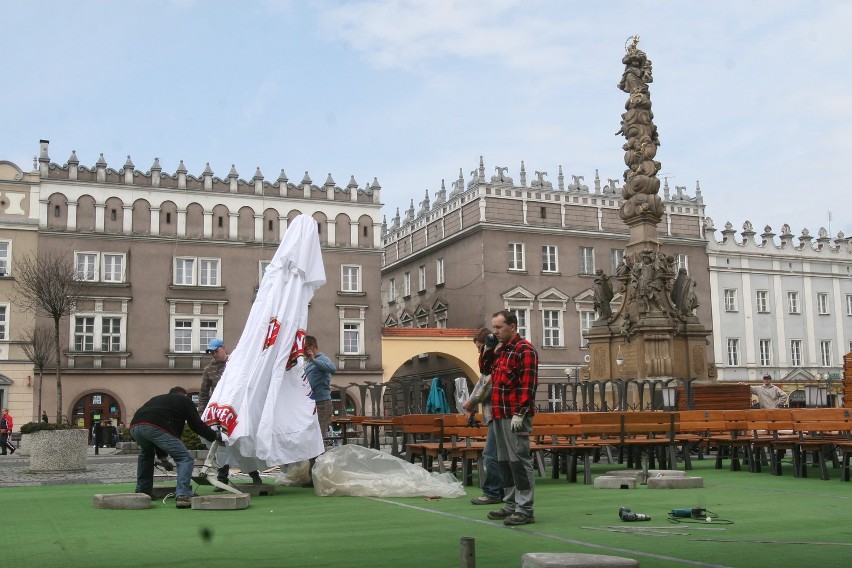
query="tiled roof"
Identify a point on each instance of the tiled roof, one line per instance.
(428, 332)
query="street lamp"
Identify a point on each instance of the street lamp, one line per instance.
(669, 398)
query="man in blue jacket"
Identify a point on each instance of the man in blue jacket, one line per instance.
(319, 369)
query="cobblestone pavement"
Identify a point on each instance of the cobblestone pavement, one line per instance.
(107, 467)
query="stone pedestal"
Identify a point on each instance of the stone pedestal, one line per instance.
(58, 450)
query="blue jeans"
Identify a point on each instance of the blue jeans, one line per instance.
(490, 481)
(149, 438)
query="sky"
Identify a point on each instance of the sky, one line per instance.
(750, 98)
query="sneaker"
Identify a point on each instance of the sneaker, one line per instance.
(486, 500)
(183, 502)
(500, 514)
(255, 478)
(518, 518)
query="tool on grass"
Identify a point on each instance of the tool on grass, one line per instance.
(629, 516)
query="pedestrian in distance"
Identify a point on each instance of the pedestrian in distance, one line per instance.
(6, 426)
(769, 395)
(44, 416)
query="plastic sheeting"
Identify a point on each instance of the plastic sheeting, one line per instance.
(361, 472)
(462, 394)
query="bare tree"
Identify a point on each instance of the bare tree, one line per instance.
(40, 350)
(48, 285)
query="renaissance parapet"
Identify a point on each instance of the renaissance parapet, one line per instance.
(155, 177)
(748, 239)
(504, 183)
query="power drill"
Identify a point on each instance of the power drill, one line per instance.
(629, 516)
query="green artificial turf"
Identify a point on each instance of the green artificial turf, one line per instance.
(58, 526)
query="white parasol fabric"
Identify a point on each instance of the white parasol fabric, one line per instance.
(263, 400)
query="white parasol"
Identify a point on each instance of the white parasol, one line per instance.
(263, 400)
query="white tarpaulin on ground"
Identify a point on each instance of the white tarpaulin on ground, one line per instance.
(362, 472)
(263, 398)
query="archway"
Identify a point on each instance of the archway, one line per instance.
(97, 408)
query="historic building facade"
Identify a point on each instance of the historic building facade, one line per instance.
(782, 304)
(173, 260)
(18, 238)
(495, 244)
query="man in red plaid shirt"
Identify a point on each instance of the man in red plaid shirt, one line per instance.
(514, 376)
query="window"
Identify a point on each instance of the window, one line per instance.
(103, 331)
(4, 322)
(406, 320)
(84, 334)
(439, 271)
(516, 256)
(351, 339)
(682, 261)
(825, 353)
(4, 257)
(99, 267)
(730, 300)
(350, 278)
(441, 319)
(587, 260)
(184, 272)
(733, 352)
(587, 318)
(616, 257)
(822, 303)
(522, 322)
(796, 352)
(406, 284)
(422, 317)
(552, 328)
(209, 272)
(392, 290)
(793, 302)
(110, 334)
(762, 301)
(113, 267)
(86, 266)
(192, 334)
(189, 270)
(765, 346)
(548, 259)
(849, 304)
(261, 268)
(421, 278)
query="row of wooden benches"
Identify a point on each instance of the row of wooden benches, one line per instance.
(645, 438)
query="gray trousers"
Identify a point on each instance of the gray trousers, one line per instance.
(516, 467)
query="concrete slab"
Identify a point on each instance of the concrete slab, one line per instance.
(121, 501)
(263, 490)
(675, 482)
(574, 560)
(615, 482)
(666, 473)
(223, 502)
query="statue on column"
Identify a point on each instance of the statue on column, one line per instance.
(603, 296)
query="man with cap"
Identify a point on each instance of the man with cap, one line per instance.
(158, 424)
(209, 379)
(769, 395)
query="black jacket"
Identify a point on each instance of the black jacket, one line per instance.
(170, 412)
